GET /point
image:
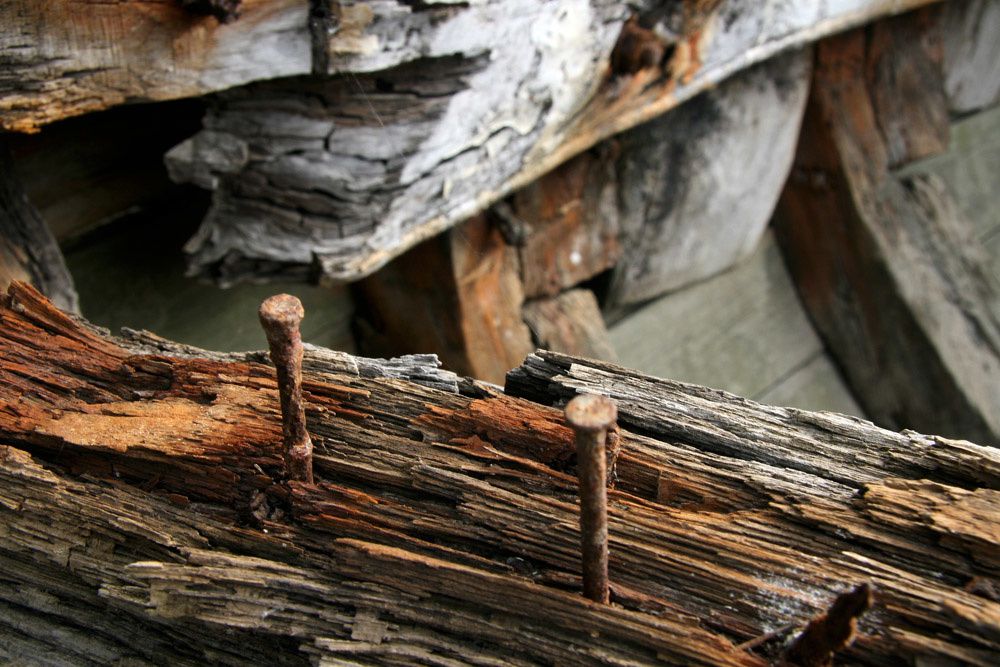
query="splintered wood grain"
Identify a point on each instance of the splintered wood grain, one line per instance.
(68, 58)
(443, 526)
(438, 110)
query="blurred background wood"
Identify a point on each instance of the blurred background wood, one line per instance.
(894, 278)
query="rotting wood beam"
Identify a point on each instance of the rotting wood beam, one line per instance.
(891, 274)
(442, 525)
(436, 127)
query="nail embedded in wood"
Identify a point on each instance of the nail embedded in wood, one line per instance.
(280, 315)
(591, 416)
(832, 631)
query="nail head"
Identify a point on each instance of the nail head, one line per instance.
(591, 412)
(282, 310)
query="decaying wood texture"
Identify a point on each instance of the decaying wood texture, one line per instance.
(441, 109)
(146, 517)
(63, 59)
(893, 277)
(28, 250)
(696, 188)
(458, 295)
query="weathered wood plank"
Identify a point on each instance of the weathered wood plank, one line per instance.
(442, 526)
(571, 323)
(353, 171)
(697, 187)
(63, 59)
(906, 86)
(972, 54)
(458, 296)
(894, 279)
(28, 251)
(969, 168)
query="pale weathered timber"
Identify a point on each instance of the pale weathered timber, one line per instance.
(65, 58)
(969, 168)
(893, 277)
(28, 251)
(570, 322)
(146, 517)
(442, 109)
(696, 188)
(971, 35)
(458, 295)
(743, 330)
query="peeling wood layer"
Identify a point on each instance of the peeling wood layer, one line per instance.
(368, 166)
(65, 58)
(442, 526)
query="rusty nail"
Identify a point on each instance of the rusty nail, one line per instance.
(280, 316)
(591, 416)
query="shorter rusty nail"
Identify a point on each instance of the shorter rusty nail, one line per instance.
(591, 416)
(280, 316)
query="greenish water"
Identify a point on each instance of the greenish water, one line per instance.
(131, 274)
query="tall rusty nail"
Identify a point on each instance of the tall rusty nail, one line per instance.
(591, 416)
(280, 316)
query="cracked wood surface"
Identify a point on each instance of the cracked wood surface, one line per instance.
(442, 110)
(66, 58)
(146, 517)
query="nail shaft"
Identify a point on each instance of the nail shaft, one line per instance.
(590, 417)
(280, 316)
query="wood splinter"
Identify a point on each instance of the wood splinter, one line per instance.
(832, 631)
(591, 416)
(280, 315)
